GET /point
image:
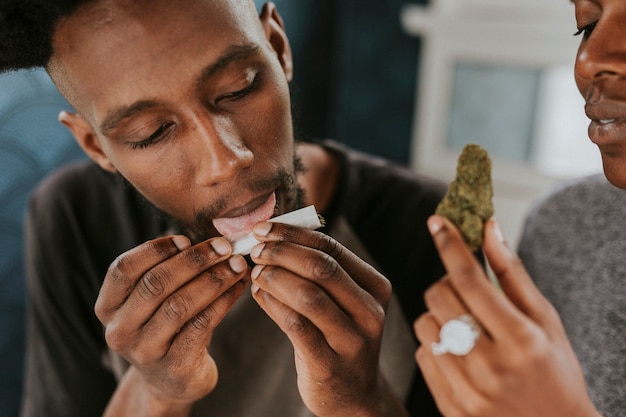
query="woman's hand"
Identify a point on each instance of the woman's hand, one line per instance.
(522, 364)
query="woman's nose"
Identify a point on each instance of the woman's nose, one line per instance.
(603, 53)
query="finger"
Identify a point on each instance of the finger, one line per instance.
(308, 300)
(361, 272)
(323, 271)
(512, 276)
(436, 381)
(483, 300)
(126, 269)
(442, 378)
(160, 281)
(199, 330)
(192, 300)
(443, 302)
(304, 335)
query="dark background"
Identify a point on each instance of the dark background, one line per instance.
(355, 72)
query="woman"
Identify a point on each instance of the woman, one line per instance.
(488, 351)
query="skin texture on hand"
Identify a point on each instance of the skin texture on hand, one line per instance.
(522, 364)
(159, 304)
(332, 306)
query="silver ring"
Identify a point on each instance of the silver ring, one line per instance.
(458, 336)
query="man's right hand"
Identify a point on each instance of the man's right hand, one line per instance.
(159, 304)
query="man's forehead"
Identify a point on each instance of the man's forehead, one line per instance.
(97, 13)
(116, 33)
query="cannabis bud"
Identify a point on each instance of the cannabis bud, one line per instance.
(468, 202)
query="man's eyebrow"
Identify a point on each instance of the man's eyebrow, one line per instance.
(233, 54)
(115, 116)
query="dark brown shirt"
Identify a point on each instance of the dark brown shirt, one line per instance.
(82, 218)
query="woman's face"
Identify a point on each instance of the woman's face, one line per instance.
(600, 72)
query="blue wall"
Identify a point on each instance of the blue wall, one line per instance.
(32, 143)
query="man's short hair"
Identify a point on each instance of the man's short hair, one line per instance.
(26, 30)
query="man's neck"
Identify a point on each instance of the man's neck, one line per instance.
(319, 178)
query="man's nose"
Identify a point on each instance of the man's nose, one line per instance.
(218, 151)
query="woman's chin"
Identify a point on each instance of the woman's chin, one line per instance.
(615, 170)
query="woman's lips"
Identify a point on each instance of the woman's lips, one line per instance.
(233, 228)
(607, 131)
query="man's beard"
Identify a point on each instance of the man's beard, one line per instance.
(289, 192)
(201, 228)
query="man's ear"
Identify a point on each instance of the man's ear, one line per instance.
(274, 29)
(87, 139)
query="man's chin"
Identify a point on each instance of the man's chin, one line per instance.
(200, 233)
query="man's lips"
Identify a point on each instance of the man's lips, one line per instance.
(239, 222)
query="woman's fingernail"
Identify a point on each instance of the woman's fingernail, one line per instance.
(254, 288)
(256, 251)
(237, 264)
(262, 229)
(221, 246)
(181, 242)
(434, 225)
(497, 230)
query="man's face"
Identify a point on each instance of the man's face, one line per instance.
(187, 100)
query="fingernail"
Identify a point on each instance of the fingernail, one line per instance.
(497, 230)
(237, 264)
(256, 250)
(255, 288)
(181, 242)
(262, 229)
(434, 225)
(221, 246)
(256, 271)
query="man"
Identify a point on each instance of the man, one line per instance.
(188, 102)
(522, 362)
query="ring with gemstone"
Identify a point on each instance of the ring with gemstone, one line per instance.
(457, 336)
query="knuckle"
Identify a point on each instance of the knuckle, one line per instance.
(195, 257)
(465, 272)
(216, 277)
(120, 270)
(114, 338)
(434, 293)
(177, 306)
(152, 284)
(325, 267)
(100, 310)
(386, 289)
(374, 326)
(312, 300)
(203, 320)
(532, 350)
(474, 406)
(160, 248)
(330, 246)
(297, 324)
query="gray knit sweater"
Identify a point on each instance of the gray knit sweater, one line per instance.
(574, 247)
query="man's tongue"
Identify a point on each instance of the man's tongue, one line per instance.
(233, 228)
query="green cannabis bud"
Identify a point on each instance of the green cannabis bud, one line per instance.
(468, 202)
